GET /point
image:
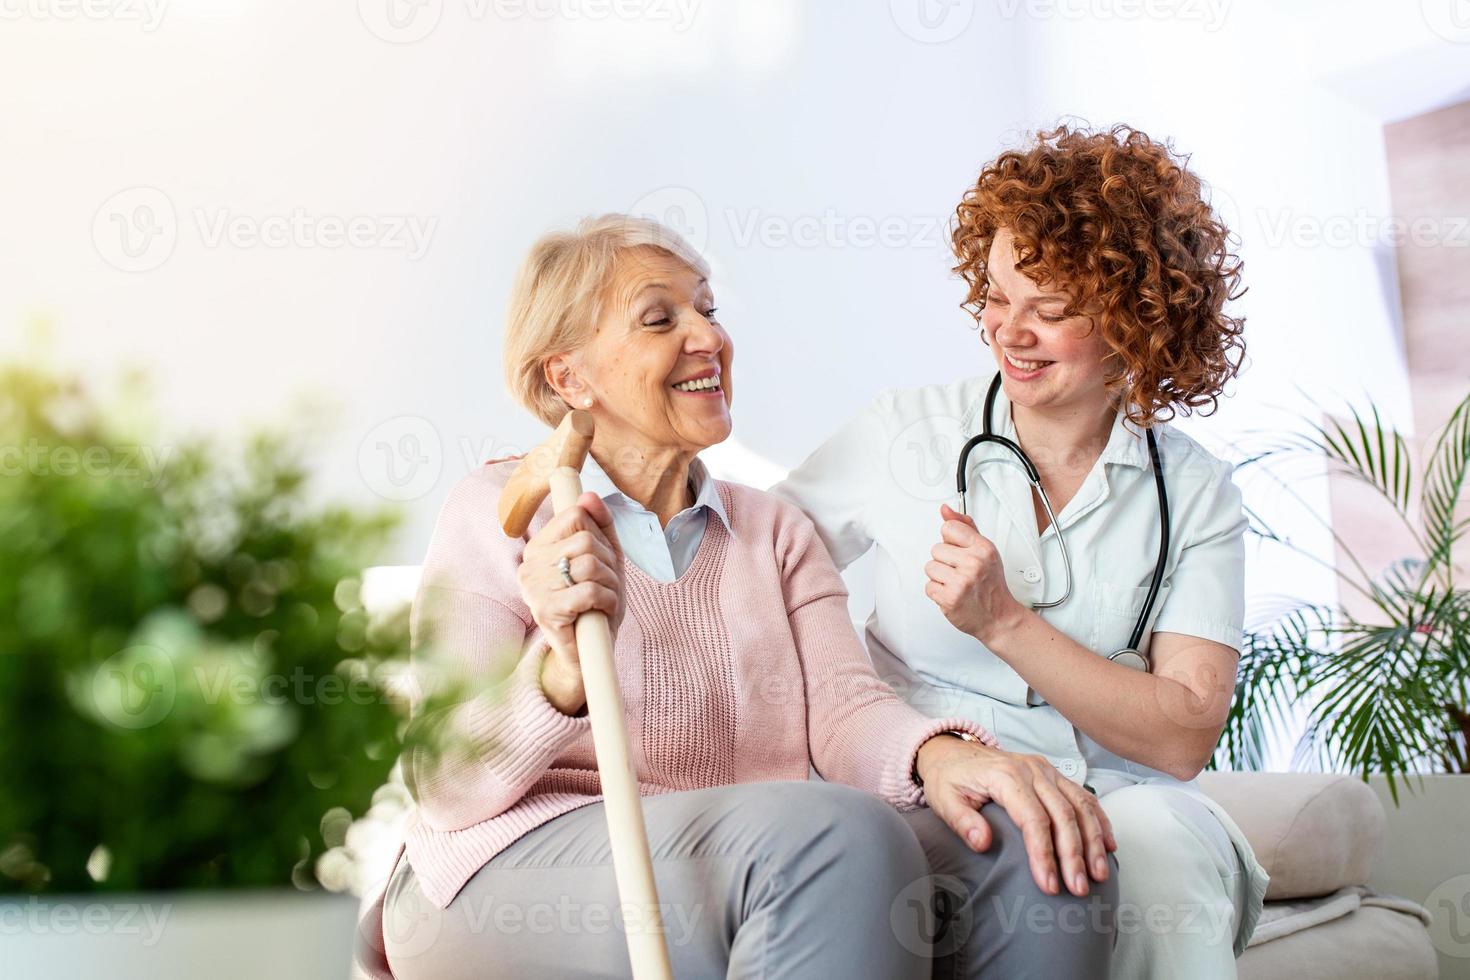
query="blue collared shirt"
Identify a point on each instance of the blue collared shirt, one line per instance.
(663, 554)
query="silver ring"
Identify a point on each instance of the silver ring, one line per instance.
(564, 565)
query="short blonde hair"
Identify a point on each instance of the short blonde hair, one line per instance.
(558, 294)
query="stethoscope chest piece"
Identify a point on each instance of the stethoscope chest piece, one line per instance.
(1130, 658)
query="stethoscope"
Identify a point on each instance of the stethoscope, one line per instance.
(1129, 656)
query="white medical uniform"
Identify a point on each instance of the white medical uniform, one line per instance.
(1191, 889)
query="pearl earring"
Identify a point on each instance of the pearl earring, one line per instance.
(587, 402)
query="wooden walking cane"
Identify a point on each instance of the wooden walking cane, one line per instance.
(556, 465)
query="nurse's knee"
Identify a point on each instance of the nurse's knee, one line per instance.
(1164, 860)
(1145, 820)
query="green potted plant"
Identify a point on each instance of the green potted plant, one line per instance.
(1387, 691)
(194, 704)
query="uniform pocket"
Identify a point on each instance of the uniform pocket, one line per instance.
(1115, 612)
(947, 701)
(983, 714)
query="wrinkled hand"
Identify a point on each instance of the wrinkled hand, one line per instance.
(1061, 822)
(583, 533)
(966, 579)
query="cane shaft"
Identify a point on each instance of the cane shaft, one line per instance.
(632, 862)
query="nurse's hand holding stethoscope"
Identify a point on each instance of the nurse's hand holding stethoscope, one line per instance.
(967, 581)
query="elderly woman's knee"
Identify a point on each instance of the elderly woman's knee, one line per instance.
(846, 819)
(830, 836)
(858, 818)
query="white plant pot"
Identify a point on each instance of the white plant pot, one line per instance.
(1426, 857)
(225, 935)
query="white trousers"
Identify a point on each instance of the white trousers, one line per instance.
(1182, 887)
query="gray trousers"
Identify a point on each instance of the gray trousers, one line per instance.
(759, 880)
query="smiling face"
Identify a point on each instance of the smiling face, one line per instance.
(658, 365)
(1049, 361)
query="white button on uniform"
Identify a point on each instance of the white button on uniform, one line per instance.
(1068, 767)
(1032, 574)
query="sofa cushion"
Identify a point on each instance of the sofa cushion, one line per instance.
(1314, 833)
(1372, 943)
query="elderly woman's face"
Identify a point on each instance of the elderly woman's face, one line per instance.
(659, 364)
(1047, 359)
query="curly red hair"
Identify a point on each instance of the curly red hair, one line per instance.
(1117, 220)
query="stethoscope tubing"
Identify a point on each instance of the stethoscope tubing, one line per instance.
(987, 435)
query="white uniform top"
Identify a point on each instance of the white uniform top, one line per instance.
(878, 482)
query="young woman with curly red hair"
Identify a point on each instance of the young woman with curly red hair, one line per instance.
(1098, 277)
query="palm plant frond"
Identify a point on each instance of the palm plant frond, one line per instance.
(1373, 454)
(1390, 695)
(1445, 479)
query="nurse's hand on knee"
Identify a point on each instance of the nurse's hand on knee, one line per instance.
(1066, 833)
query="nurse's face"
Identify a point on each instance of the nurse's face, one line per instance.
(1048, 360)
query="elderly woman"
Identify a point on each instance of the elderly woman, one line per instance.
(740, 671)
(1090, 609)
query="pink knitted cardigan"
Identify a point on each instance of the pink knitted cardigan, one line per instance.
(744, 669)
